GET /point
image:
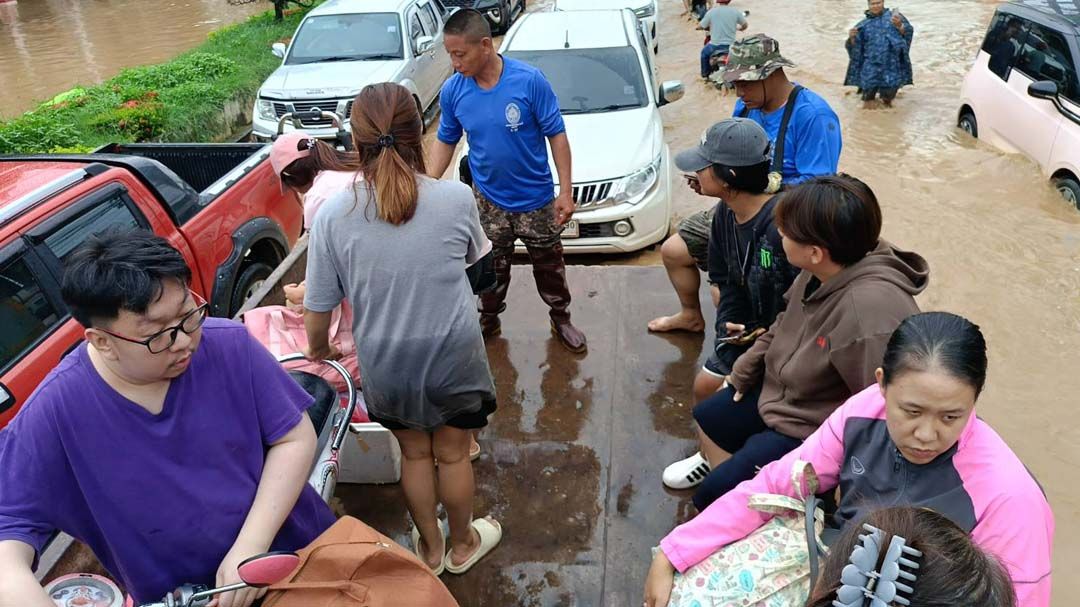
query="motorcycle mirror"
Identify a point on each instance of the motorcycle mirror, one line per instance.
(269, 568)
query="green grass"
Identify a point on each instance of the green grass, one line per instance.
(180, 100)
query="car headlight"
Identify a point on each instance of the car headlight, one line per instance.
(638, 183)
(265, 109)
(646, 11)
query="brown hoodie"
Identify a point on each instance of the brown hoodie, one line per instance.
(826, 345)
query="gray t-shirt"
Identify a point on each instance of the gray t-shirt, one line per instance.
(421, 354)
(722, 23)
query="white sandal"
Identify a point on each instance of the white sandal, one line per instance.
(686, 473)
(416, 548)
(490, 532)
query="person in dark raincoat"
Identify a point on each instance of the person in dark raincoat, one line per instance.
(878, 47)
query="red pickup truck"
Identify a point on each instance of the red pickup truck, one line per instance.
(219, 204)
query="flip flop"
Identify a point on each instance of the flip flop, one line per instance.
(490, 532)
(416, 548)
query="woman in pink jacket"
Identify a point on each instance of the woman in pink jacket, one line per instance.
(912, 439)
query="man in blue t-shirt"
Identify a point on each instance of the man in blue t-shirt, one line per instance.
(507, 110)
(172, 444)
(810, 147)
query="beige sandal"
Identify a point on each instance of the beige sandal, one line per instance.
(490, 532)
(416, 548)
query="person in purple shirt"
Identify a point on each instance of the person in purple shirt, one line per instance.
(170, 443)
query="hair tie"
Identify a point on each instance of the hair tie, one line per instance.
(386, 141)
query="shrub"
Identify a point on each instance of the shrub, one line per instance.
(36, 133)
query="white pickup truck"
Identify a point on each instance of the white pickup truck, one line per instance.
(343, 46)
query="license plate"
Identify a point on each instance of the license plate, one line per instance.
(571, 229)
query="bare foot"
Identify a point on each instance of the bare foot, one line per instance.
(694, 323)
(458, 555)
(432, 558)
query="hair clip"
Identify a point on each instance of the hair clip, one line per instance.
(866, 584)
(386, 141)
(305, 144)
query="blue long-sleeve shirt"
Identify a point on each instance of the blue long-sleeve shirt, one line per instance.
(814, 140)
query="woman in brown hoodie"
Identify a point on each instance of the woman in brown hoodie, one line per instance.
(854, 290)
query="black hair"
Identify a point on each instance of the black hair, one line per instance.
(119, 269)
(937, 340)
(753, 179)
(469, 23)
(837, 212)
(953, 570)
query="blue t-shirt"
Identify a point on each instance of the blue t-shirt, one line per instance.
(506, 128)
(813, 142)
(159, 498)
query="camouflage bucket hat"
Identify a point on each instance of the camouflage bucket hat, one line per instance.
(754, 58)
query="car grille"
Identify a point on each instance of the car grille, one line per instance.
(327, 105)
(595, 230)
(592, 195)
(459, 3)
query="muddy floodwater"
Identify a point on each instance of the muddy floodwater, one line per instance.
(49, 46)
(1004, 251)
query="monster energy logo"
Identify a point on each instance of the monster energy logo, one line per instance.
(766, 258)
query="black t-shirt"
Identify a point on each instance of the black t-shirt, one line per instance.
(747, 263)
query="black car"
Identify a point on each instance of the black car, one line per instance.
(500, 13)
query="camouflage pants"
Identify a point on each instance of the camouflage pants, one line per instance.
(536, 229)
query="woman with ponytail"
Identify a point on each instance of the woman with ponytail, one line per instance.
(396, 246)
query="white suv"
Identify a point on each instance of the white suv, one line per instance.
(1023, 93)
(603, 71)
(343, 46)
(646, 10)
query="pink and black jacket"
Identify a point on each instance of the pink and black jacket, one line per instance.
(979, 484)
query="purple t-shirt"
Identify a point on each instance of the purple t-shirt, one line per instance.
(159, 498)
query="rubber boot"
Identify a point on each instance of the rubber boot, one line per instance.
(550, 272)
(493, 301)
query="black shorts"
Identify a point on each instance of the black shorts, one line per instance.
(465, 421)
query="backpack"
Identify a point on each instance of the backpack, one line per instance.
(352, 565)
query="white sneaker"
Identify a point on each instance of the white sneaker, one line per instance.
(686, 473)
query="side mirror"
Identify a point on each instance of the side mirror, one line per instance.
(1043, 89)
(278, 48)
(267, 569)
(424, 44)
(671, 91)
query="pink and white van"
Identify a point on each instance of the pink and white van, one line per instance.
(1023, 95)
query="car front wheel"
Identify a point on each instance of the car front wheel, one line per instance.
(251, 278)
(1069, 189)
(968, 124)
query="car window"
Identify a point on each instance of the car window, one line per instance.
(1003, 42)
(645, 50)
(431, 23)
(358, 37)
(416, 30)
(591, 79)
(1045, 55)
(25, 312)
(113, 211)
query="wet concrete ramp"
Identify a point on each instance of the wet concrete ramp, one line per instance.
(572, 459)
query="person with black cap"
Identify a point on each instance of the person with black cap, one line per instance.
(746, 255)
(806, 138)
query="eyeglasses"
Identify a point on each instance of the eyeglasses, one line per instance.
(164, 339)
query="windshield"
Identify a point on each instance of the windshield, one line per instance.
(591, 79)
(366, 36)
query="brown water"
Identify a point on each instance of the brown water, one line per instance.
(1003, 248)
(49, 46)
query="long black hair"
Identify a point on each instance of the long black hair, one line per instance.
(938, 340)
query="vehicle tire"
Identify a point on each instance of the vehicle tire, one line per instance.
(1069, 189)
(968, 124)
(506, 21)
(250, 279)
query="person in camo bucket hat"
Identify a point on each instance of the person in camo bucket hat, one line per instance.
(754, 58)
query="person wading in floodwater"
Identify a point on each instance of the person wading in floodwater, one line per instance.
(507, 109)
(879, 47)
